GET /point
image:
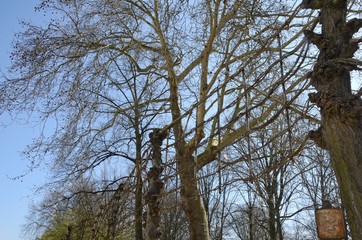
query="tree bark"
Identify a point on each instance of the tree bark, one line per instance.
(272, 221)
(155, 186)
(341, 110)
(251, 222)
(193, 203)
(139, 181)
(187, 169)
(138, 194)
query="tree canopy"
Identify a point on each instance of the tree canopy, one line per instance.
(224, 83)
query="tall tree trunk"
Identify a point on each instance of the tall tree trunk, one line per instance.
(341, 111)
(193, 203)
(188, 168)
(155, 186)
(114, 209)
(139, 182)
(251, 222)
(138, 199)
(279, 226)
(272, 221)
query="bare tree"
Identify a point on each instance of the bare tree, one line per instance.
(217, 194)
(80, 211)
(173, 220)
(109, 71)
(247, 218)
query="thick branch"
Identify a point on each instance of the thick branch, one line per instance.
(314, 38)
(352, 26)
(317, 137)
(312, 4)
(318, 4)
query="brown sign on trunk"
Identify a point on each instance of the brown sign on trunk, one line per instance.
(330, 224)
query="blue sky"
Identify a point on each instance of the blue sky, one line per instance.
(16, 195)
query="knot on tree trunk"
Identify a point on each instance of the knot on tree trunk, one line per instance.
(316, 98)
(157, 136)
(346, 109)
(316, 39)
(322, 74)
(155, 172)
(317, 137)
(154, 190)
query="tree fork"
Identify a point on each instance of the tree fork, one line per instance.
(341, 126)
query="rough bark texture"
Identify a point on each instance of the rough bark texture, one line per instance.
(193, 203)
(139, 180)
(155, 186)
(138, 200)
(341, 129)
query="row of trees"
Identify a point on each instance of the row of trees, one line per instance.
(170, 110)
(278, 204)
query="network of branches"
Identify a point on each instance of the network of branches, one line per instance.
(225, 81)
